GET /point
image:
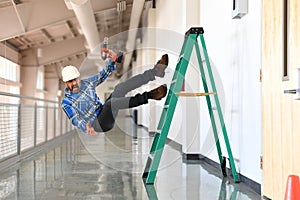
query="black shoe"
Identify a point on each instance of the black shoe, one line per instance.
(161, 65)
(158, 93)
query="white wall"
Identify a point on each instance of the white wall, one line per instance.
(106, 88)
(234, 47)
(170, 29)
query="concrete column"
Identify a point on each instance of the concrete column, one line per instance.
(28, 78)
(138, 69)
(152, 59)
(191, 137)
(192, 13)
(62, 87)
(51, 86)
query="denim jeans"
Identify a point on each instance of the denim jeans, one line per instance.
(106, 119)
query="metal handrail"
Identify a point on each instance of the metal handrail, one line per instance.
(25, 127)
(26, 97)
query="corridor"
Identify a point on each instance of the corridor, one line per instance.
(109, 166)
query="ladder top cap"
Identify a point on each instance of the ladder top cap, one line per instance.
(195, 30)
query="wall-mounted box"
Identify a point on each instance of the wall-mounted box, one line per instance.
(239, 8)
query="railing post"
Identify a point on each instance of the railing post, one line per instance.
(31, 116)
(60, 123)
(35, 124)
(19, 130)
(54, 119)
(46, 133)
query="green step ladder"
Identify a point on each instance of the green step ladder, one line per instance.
(154, 157)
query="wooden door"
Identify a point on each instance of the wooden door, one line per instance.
(281, 113)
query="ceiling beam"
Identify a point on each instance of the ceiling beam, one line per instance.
(57, 51)
(54, 69)
(18, 15)
(35, 15)
(38, 14)
(47, 35)
(63, 49)
(71, 28)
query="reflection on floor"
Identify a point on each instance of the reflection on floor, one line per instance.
(110, 166)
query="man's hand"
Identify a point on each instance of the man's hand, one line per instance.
(90, 130)
(113, 56)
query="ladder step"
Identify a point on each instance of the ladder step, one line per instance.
(180, 58)
(151, 155)
(147, 168)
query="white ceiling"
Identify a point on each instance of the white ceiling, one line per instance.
(50, 25)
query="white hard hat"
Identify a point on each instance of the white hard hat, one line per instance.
(69, 73)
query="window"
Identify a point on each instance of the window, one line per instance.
(9, 70)
(9, 79)
(40, 79)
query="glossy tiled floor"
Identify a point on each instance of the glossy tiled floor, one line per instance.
(109, 166)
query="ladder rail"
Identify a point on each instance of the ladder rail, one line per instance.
(209, 105)
(159, 146)
(168, 112)
(225, 135)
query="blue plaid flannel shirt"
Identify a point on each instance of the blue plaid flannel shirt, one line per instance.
(84, 106)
